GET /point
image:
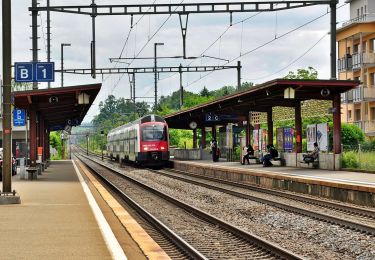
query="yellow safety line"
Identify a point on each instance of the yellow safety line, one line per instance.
(148, 246)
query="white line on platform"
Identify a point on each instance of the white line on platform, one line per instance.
(110, 239)
(331, 179)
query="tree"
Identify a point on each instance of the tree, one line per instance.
(309, 73)
(204, 92)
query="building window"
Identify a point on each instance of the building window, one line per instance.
(362, 11)
(372, 115)
(357, 115)
(350, 114)
(372, 79)
(372, 45)
(357, 12)
(365, 9)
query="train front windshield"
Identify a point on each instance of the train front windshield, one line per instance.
(154, 133)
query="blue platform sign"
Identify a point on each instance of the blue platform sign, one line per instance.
(19, 117)
(45, 72)
(34, 71)
(24, 72)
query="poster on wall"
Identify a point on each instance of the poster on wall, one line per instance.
(288, 139)
(256, 139)
(310, 137)
(264, 139)
(322, 136)
(280, 139)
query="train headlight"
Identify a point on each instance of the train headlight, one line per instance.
(145, 148)
(162, 148)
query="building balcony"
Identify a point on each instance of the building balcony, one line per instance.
(359, 94)
(368, 127)
(345, 63)
(365, 60)
(359, 19)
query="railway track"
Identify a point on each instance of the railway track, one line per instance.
(199, 234)
(355, 218)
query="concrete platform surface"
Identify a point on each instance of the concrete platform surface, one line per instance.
(350, 177)
(53, 221)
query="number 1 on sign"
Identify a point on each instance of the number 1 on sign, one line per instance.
(44, 73)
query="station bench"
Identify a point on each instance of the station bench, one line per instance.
(277, 161)
(314, 163)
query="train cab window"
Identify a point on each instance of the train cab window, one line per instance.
(154, 133)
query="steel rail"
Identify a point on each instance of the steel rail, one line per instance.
(313, 214)
(182, 244)
(298, 197)
(266, 245)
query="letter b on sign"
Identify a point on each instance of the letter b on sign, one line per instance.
(24, 72)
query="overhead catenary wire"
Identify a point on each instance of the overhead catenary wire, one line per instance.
(266, 43)
(144, 46)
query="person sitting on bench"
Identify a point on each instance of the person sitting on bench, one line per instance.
(311, 157)
(249, 153)
(272, 153)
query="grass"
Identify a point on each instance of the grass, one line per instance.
(359, 160)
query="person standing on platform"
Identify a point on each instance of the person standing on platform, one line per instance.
(214, 150)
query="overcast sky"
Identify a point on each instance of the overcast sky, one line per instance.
(307, 46)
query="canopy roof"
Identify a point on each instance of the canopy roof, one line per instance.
(260, 98)
(59, 107)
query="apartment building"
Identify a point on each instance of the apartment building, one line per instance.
(356, 60)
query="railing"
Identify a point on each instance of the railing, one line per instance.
(369, 93)
(345, 63)
(364, 58)
(362, 18)
(359, 94)
(369, 126)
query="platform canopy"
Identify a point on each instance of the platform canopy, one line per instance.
(60, 108)
(260, 98)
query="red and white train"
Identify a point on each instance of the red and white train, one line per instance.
(144, 141)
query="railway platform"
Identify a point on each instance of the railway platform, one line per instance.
(345, 186)
(62, 215)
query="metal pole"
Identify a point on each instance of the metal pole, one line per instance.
(135, 105)
(93, 42)
(34, 26)
(239, 75)
(333, 39)
(156, 79)
(48, 36)
(181, 88)
(102, 135)
(87, 144)
(62, 64)
(7, 81)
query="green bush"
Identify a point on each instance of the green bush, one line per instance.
(350, 160)
(237, 153)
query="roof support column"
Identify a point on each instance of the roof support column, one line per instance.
(336, 124)
(248, 128)
(214, 132)
(41, 136)
(298, 123)
(47, 148)
(33, 144)
(194, 138)
(203, 138)
(270, 127)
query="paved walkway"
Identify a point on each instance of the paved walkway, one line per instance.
(53, 221)
(336, 176)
